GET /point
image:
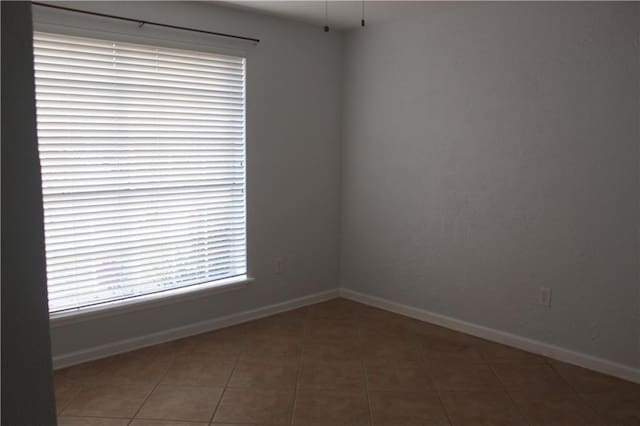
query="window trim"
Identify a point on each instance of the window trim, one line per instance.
(56, 23)
(148, 301)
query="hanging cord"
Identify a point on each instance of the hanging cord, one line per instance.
(326, 16)
(362, 19)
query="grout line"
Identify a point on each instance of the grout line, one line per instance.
(305, 330)
(508, 393)
(75, 416)
(425, 361)
(215, 410)
(81, 387)
(575, 391)
(154, 388)
(226, 384)
(364, 370)
(444, 407)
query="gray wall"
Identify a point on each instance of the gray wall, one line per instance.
(27, 392)
(293, 153)
(491, 149)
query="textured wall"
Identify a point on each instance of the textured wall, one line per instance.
(491, 149)
(293, 152)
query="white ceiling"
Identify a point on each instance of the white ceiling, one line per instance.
(342, 14)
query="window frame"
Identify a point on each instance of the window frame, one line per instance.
(54, 21)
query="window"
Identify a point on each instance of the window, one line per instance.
(142, 150)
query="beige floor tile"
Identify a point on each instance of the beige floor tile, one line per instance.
(65, 391)
(255, 406)
(397, 332)
(332, 350)
(481, 409)
(315, 407)
(286, 325)
(427, 329)
(461, 376)
(398, 376)
(108, 401)
(237, 424)
(497, 353)
(261, 374)
(452, 347)
(200, 369)
(88, 373)
(555, 409)
(371, 315)
(392, 350)
(531, 378)
(295, 315)
(588, 381)
(324, 328)
(144, 366)
(336, 309)
(346, 375)
(273, 348)
(145, 422)
(616, 408)
(406, 409)
(91, 421)
(158, 352)
(230, 341)
(188, 403)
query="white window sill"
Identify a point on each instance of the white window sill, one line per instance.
(148, 301)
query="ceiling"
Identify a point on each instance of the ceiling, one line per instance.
(343, 15)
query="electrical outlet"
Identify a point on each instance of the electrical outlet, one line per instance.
(278, 265)
(544, 298)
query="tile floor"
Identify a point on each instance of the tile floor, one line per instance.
(339, 363)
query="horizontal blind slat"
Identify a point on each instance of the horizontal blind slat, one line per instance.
(93, 238)
(66, 55)
(112, 275)
(63, 226)
(70, 261)
(90, 80)
(156, 257)
(158, 192)
(99, 250)
(158, 281)
(141, 162)
(142, 200)
(147, 209)
(68, 42)
(156, 286)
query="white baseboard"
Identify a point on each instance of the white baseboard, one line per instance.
(552, 351)
(114, 348)
(535, 346)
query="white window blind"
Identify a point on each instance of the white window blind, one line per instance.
(142, 150)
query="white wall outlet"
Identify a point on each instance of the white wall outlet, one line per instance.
(278, 265)
(544, 298)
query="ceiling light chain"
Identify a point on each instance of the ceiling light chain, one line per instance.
(326, 16)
